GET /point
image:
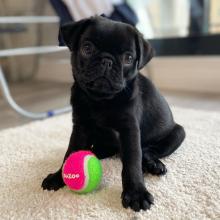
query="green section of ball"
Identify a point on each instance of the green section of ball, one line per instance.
(94, 175)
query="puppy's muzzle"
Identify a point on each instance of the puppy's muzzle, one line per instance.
(100, 84)
(103, 86)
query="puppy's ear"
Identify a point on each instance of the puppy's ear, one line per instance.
(144, 50)
(71, 32)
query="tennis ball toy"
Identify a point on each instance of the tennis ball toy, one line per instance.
(82, 171)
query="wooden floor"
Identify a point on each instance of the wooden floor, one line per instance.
(34, 96)
(38, 95)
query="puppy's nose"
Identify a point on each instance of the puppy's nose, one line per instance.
(107, 63)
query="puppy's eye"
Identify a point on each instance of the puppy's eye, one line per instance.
(128, 59)
(87, 49)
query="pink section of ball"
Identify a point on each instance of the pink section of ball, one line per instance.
(73, 170)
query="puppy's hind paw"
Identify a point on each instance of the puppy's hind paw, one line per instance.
(154, 167)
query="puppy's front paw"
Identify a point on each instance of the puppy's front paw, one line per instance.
(53, 182)
(137, 199)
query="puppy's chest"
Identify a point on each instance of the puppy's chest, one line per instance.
(105, 113)
(102, 115)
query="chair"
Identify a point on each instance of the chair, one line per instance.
(28, 51)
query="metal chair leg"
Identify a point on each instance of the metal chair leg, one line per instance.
(17, 108)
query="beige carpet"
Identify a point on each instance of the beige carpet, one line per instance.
(190, 190)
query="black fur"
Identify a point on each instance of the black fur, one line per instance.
(115, 108)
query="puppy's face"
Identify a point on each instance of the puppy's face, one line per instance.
(106, 55)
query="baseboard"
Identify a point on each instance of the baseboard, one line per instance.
(57, 70)
(196, 74)
(191, 74)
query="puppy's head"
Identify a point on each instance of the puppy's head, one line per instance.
(106, 55)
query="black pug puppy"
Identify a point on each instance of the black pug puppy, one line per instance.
(115, 108)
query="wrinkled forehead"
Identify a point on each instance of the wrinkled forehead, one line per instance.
(111, 37)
